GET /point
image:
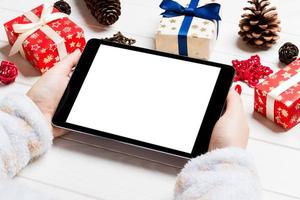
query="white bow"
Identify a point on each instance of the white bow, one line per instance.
(26, 30)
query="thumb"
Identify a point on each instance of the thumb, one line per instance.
(234, 103)
(66, 65)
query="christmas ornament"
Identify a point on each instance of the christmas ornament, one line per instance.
(259, 26)
(106, 12)
(250, 71)
(288, 53)
(121, 39)
(63, 7)
(8, 72)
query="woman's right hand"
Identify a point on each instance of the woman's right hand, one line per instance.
(232, 129)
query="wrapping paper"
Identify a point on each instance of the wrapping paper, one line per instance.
(41, 50)
(278, 97)
(201, 35)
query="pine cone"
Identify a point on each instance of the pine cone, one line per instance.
(63, 7)
(106, 12)
(260, 26)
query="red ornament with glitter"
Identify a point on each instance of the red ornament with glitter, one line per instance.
(8, 72)
(250, 71)
(44, 41)
(278, 97)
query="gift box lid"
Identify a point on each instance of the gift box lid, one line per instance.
(284, 85)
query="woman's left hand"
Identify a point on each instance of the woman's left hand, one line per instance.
(48, 90)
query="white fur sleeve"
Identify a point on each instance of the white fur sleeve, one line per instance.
(24, 134)
(224, 174)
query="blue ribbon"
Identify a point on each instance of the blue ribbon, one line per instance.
(174, 9)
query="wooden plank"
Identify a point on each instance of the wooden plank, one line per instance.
(75, 166)
(51, 190)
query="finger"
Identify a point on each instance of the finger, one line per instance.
(65, 66)
(234, 103)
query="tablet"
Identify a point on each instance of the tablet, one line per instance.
(146, 98)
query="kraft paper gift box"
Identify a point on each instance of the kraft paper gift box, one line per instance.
(278, 97)
(188, 27)
(44, 36)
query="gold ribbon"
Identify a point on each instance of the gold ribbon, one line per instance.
(25, 30)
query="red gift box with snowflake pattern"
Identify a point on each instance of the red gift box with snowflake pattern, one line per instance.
(278, 97)
(44, 36)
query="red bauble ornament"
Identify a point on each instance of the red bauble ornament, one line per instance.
(8, 72)
(251, 70)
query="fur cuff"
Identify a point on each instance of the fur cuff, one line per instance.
(224, 174)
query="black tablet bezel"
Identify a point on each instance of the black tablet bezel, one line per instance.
(213, 112)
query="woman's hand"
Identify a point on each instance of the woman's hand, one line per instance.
(232, 128)
(48, 90)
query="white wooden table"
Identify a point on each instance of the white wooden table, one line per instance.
(79, 167)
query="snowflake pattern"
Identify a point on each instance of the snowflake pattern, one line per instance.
(48, 59)
(56, 24)
(35, 47)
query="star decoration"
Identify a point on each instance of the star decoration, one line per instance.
(52, 47)
(36, 56)
(43, 70)
(56, 24)
(172, 21)
(205, 22)
(203, 29)
(284, 113)
(69, 36)
(287, 68)
(173, 28)
(260, 109)
(286, 75)
(163, 26)
(79, 35)
(67, 29)
(194, 26)
(67, 22)
(40, 41)
(72, 44)
(43, 50)
(78, 45)
(48, 59)
(35, 47)
(293, 119)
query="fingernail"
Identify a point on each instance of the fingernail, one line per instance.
(238, 89)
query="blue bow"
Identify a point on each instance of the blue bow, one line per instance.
(174, 9)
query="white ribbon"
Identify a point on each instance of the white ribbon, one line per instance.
(25, 30)
(272, 95)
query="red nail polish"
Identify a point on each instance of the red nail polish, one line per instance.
(238, 89)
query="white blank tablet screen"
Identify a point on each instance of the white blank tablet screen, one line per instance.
(149, 98)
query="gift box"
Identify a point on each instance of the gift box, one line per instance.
(188, 27)
(44, 36)
(278, 97)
